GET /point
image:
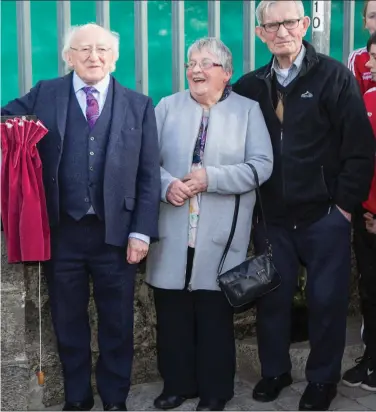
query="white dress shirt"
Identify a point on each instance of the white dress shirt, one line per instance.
(100, 93)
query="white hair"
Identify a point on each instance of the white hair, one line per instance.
(73, 30)
(264, 5)
(216, 47)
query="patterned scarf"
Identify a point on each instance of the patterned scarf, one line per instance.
(201, 137)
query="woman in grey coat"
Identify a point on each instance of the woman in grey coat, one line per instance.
(207, 135)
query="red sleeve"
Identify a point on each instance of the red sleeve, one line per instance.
(370, 102)
(356, 66)
(358, 74)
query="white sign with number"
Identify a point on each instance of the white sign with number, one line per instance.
(318, 15)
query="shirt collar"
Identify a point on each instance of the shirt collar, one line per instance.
(101, 87)
(297, 62)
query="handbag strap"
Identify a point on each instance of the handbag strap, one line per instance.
(235, 219)
(259, 200)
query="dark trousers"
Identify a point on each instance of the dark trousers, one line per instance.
(195, 341)
(324, 248)
(78, 252)
(365, 253)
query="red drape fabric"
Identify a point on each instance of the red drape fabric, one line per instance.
(23, 202)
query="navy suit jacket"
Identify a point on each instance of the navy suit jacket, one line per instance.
(131, 173)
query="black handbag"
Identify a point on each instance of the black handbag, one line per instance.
(256, 276)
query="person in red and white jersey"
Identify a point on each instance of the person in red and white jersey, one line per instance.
(370, 102)
(359, 58)
(357, 64)
(364, 223)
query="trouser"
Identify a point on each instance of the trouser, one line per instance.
(324, 248)
(195, 341)
(78, 252)
(365, 253)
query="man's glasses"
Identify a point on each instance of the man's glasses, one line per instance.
(274, 27)
(204, 64)
(86, 51)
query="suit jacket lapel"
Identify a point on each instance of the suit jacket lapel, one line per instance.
(62, 100)
(119, 109)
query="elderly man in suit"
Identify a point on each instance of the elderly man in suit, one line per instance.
(102, 182)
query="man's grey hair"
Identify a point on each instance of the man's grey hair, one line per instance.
(73, 30)
(216, 47)
(264, 5)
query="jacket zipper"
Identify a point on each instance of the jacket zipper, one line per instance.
(282, 168)
(268, 85)
(324, 182)
(283, 173)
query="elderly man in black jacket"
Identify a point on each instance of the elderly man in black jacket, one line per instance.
(323, 165)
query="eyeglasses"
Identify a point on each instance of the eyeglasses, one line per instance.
(86, 51)
(274, 27)
(204, 64)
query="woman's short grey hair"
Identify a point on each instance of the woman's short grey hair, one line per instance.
(264, 5)
(215, 47)
(73, 30)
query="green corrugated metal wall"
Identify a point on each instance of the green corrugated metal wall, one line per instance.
(44, 38)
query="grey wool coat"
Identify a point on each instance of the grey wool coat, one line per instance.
(236, 135)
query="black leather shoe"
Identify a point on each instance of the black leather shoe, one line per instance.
(318, 396)
(166, 402)
(211, 405)
(115, 407)
(79, 406)
(268, 389)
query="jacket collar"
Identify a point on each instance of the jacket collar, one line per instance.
(310, 59)
(296, 65)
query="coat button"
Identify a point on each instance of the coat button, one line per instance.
(86, 199)
(53, 180)
(91, 168)
(91, 153)
(91, 138)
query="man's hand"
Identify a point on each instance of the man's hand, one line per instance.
(137, 250)
(197, 181)
(178, 192)
(370, 223)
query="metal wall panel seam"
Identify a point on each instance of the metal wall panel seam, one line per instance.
(103, 13)
(25, 70)
(63, 24)
(214, 18)
(178, 46)
(141, 45)
(321, 19)
(249, 35)
(348, 29)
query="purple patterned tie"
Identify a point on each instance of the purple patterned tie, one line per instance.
(92, 106)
